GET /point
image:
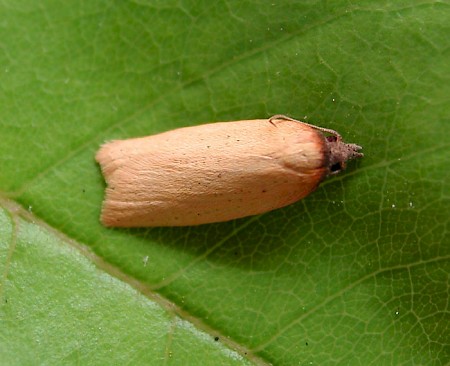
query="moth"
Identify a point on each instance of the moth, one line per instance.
(217, 172)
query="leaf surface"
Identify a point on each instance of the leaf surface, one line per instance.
(356, 273)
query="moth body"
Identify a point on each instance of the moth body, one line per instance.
(216, 172)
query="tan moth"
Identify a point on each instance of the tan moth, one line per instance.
(217, 172)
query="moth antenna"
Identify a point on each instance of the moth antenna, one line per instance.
(323, 129)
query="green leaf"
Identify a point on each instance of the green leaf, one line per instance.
(356, 273)
(58, 308)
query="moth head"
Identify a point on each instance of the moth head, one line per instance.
(340, 152)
